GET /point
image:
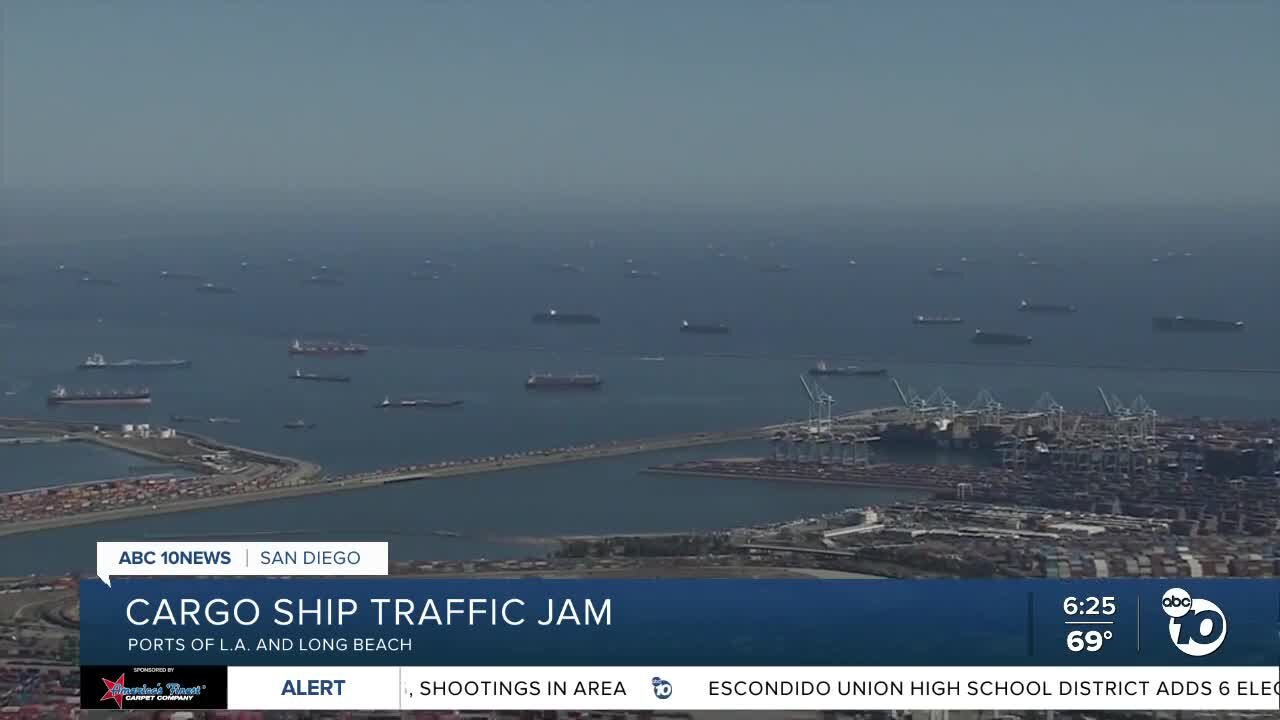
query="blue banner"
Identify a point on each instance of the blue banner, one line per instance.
(533, 622)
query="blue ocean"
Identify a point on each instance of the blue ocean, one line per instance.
(447, 315)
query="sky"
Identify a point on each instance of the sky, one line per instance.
(653, 104)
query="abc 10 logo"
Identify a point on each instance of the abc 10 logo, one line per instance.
(1197, 626)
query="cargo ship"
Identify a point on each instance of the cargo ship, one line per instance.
(704, 329)
(299, 425)
(943, 272)
(1182, 323)
(167, 275)
(936, 320)
(327, 280)
(823, 369)
(555, 317)
(547, 381)
(98, 281)
(981, 337)
(305, 347)
(775, 268)
(389, 403)
(185, 419)
(318, 377)
(569, 268)
(1045, 308)
(212, 289)
(61, 396)
(641, 274)
(97, 362)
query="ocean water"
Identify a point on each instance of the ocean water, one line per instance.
(467, 335)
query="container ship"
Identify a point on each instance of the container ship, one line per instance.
(98, 362)
(212, 289)
(936, 320)
(1181, 323)
(304, 347)
(704, 329)
(299, 375)
(547, 381)
(981, 337)
(555, 317)
(61, 396)
(1045, 308)
(389, 403)
(823, 369)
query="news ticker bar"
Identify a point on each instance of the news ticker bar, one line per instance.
(681, 688)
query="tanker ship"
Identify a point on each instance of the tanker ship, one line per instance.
(97, 362)
(547, 381)
(1181, 323)
(61, 396)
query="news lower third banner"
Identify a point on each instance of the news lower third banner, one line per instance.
(381, 643)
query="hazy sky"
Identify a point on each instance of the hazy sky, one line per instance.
(689, 102)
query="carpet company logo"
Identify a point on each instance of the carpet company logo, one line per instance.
(1197, 626)
(118, 692)
(661, 688)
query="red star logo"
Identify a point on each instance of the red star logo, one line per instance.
(115, 691)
